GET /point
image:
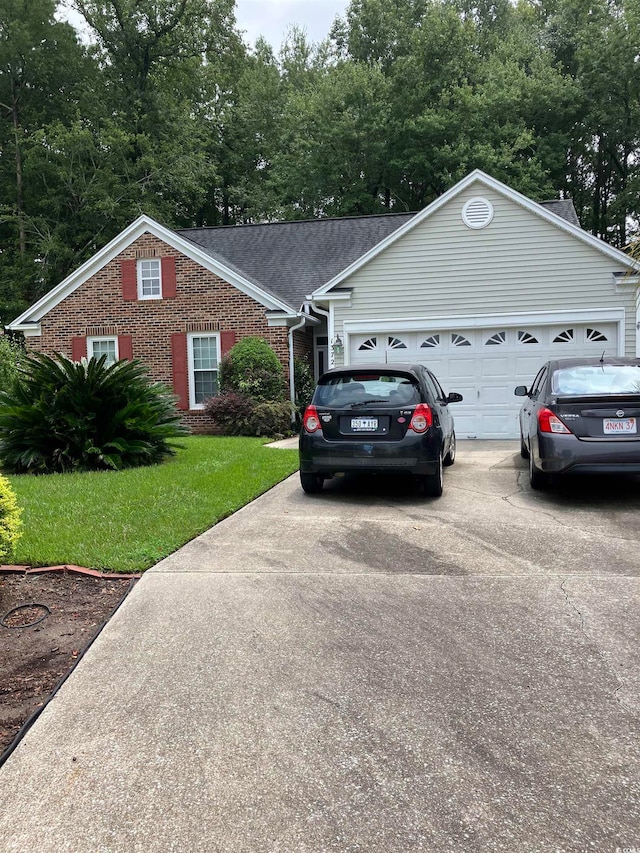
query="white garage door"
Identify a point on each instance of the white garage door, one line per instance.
(485, 365)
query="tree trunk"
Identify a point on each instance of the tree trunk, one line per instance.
(22, 240)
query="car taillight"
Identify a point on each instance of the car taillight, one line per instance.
(311, 421)
(548, 422)
(422, 418)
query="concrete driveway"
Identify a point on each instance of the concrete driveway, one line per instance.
(362, 670)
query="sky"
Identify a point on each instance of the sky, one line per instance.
(270, 18)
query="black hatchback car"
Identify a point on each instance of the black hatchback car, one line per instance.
(581, 415)
(378, 419)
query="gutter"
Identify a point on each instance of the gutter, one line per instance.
(292, 380)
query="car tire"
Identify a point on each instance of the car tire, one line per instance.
(450, 458)
(537, 478)
(431, 485)
(524, 450)
(311, 483)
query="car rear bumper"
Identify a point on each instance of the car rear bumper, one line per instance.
(414, 454)
(560, 454)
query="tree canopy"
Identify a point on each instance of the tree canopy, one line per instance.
(161, 108)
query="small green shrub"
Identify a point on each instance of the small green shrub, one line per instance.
(235, 414)
(304, 382)
(252, 369)
(271, 418)
(10, 522)
(231, 413)
(10, 355)
(84, 416)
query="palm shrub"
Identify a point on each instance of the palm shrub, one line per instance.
(10, 522)
(84, 416)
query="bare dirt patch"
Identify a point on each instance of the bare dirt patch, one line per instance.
(58, 615)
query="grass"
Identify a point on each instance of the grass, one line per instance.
(125, 521)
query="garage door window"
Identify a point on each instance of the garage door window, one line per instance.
(496, 340)
(565, 337)
(369, 344)
(595, 335)
(431, 342)
(527, 338)
(460, 341)
(396, 343)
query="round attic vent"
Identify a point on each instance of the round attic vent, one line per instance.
(477, 213)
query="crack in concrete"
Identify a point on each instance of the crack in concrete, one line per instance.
(510, 457)
(600, 653)
(587, 534)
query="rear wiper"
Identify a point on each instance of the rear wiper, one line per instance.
(366, 403)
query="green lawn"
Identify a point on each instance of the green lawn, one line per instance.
(126, 521)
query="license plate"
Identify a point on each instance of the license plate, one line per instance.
(619, 426)
(364, 424)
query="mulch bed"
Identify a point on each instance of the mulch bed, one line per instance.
(47, 620)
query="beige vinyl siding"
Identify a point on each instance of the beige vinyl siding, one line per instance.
(519, 263)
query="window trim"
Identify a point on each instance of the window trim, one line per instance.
(139, 279)
(102, 338)
(198, 407)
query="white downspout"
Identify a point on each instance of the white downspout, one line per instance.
(292, 380)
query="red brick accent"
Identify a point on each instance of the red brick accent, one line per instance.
(129, 275)
(168, 278)
(204, 302)
(125, 347)
(78, 348)
(179, 365)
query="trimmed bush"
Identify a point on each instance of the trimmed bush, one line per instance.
(84, 416)
(252, 369)
(235, 414)
(10, 523)
(231, 413)
(271, 418)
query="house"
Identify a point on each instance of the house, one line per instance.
(483, 285)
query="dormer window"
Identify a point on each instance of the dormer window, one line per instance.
(149, 279)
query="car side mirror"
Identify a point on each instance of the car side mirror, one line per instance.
(521, 391)
(454, 397)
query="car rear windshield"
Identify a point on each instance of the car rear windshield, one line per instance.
(367, 387)
(598, 379)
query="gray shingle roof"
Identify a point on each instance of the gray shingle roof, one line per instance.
(563, 208)
(291, 259)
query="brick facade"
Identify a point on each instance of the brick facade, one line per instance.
(203, 302)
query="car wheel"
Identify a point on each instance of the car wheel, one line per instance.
(311, 483)
(450, 458)
(524, 450)
(537, 478)
(431, 484)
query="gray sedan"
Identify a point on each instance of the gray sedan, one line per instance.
(581, 416)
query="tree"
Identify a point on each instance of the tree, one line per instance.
(42, 67)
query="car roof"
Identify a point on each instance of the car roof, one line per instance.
(592, 361)
(396, 367)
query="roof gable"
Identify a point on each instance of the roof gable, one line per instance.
(146, 225)
(557, 213)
